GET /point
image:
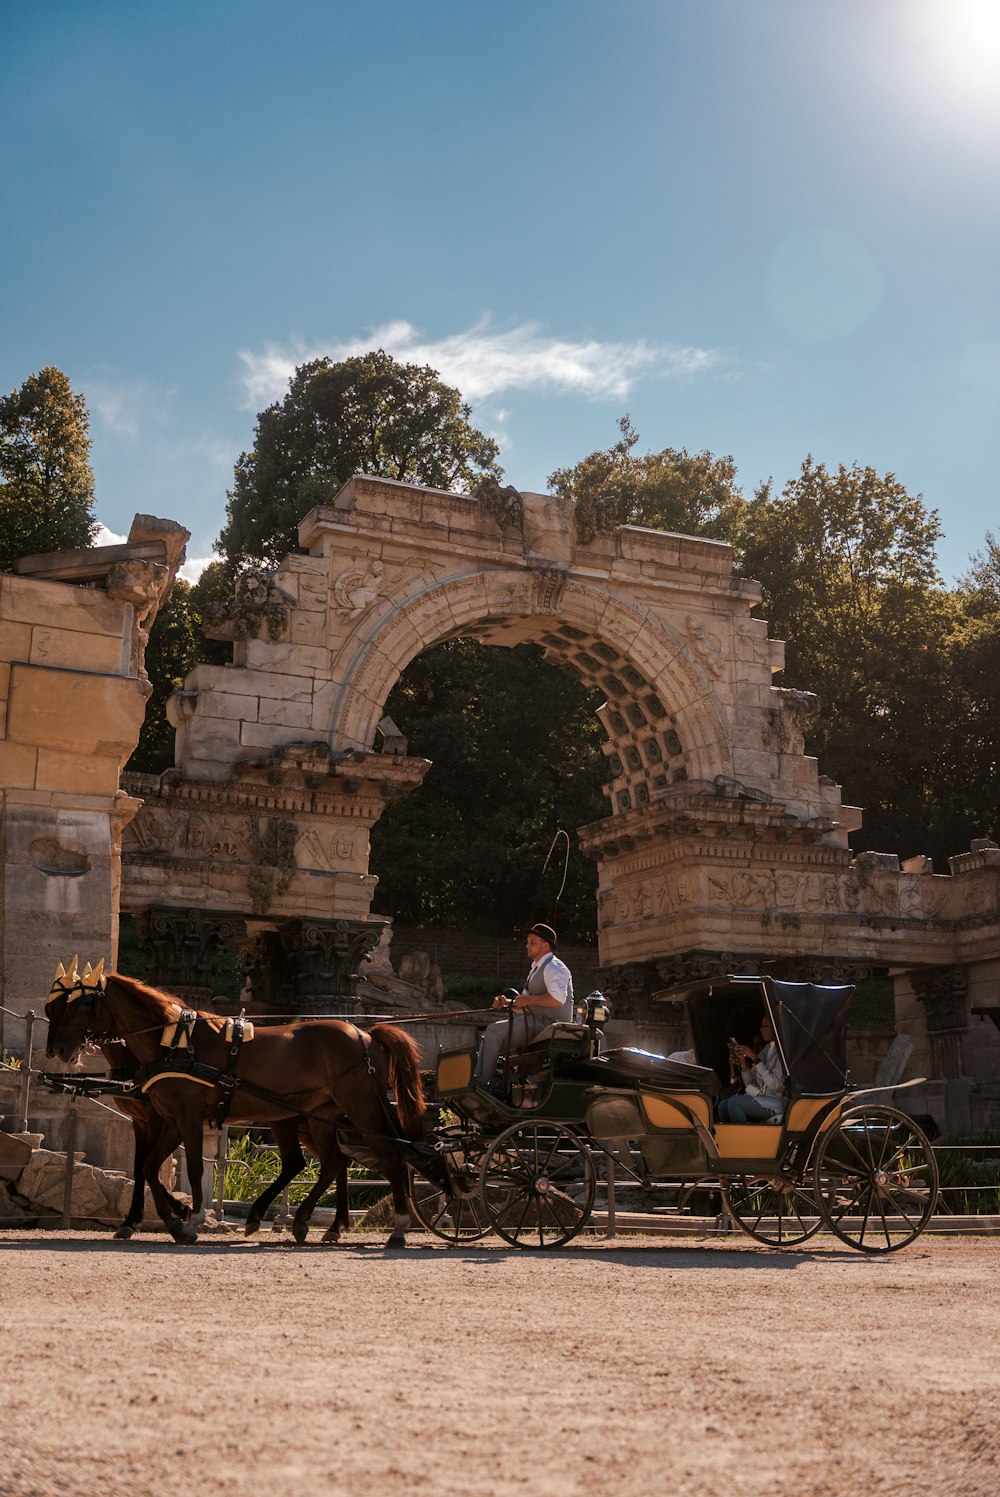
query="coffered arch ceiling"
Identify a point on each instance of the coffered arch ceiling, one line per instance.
(663, 726)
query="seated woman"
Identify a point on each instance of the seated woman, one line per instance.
(762, 1099)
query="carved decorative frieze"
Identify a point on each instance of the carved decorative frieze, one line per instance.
(694, 966)
(944, 992)
(503, 503)
(356, 589)
(260, 607)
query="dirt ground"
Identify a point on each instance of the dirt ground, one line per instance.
(643, 1365)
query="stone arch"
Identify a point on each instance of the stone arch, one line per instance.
(663, 724)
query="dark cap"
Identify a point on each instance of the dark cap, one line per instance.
(544, 933)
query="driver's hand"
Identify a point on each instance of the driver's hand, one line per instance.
(501, 1002)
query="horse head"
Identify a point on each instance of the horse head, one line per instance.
(71, 1008)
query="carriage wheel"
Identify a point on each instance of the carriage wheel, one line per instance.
(771, 1209)
(876, 1179)
(538, 1184)
(457, 1216)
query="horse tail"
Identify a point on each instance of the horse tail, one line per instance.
(403, 1057)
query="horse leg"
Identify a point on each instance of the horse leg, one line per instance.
(342, 1216)
(322, 1140)
(395, 1173)
(135, 1211)
(192, 1126)
(168, 1207)
(146, 1128)
(293, 1162)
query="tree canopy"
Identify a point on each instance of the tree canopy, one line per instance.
(46, 483)
(847, 562)
(370, 415)
(691, 493)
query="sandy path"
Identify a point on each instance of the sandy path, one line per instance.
(665, 1366)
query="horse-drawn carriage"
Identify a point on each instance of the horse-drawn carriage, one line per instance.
(519, 1156)
(523, 1156)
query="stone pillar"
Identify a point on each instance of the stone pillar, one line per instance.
(944, 993)
(184, 945)
(309, 966)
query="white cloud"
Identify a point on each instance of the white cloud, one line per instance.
(126, 406)
(194, 566)
(485, 362)
(106, 537)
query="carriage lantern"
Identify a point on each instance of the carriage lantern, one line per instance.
(595, 1011)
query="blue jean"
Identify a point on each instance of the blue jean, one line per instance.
(743, 1109)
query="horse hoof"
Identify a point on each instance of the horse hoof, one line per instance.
(182, 1233)
(252, 1226)
(331, 1234)
(300, 1233)
(125, 1231)
(397, 1240)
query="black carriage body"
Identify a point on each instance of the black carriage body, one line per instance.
(866, 1172)
(668, 1106)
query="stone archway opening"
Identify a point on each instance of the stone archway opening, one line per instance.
(516, 758)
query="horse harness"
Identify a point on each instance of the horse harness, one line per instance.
(179, 1062)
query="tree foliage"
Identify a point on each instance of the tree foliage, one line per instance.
(516, 755)
(364, 415)
(689, 493)
(847, 562)
(46, 483)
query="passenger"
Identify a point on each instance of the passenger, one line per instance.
(547, 998)
(762, 1099)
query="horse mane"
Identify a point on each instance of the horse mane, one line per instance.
(161, 1001)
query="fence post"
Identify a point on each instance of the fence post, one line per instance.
(70, 1163)
(610, 1185)
(24, 1087)
(221, 1156)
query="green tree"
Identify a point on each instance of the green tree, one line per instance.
(980, 587)
(365, 415)
(847, 562)
(689, 493)
(46, 483)
(515, 750)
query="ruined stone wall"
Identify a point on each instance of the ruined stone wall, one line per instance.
(73, 694)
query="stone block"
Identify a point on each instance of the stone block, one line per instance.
(96, 1194)
(82, 774)
(224, 704)
(74, 710)
(297, 660)
(66, 647)
(289, 714)
(264, 735)
(26, 600)
(15, 640)
(17, 765)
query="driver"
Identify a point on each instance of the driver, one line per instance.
(547, 998)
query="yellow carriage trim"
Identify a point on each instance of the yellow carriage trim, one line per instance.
(748, 1140)
(805, 1109)
(676, 1110)
(454, 1072)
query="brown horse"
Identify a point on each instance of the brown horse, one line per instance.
(324, 1071)
(290, 1136)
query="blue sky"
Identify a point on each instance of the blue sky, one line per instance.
(761, 227)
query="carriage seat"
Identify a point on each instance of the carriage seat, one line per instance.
(562, 1030)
